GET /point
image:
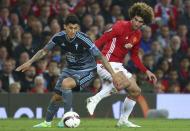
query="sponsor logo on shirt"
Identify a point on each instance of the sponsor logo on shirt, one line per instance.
(76, 46)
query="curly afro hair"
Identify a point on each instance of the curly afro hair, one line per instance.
(143, 10)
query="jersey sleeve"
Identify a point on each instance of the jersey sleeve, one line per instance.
(108, 35)
(89, 44)
(134, 53)
(55, 40)
(95, 51)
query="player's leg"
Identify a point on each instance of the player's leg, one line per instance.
(53, 105)
(67, 84)
(129, 103)
(51, 110)
(80, 79)
(107, 90)
(107, 87)
(60, 94)
(67, 97)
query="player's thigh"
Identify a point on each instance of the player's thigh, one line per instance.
(59, 87)
(105, 75)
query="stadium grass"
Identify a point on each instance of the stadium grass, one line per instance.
(98, 125)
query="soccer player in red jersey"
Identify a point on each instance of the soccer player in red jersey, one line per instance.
(115, 43)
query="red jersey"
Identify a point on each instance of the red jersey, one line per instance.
(114, 42)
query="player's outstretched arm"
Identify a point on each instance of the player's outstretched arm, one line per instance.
(40, 54)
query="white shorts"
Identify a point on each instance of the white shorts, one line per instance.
(105, 75)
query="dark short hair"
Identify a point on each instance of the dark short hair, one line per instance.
(143, 10)
(72, 19)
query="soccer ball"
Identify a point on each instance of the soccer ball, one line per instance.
(71, 119)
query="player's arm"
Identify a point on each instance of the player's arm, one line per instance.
(136, 60)
(40, 54)
(109, 35)
(105, 63)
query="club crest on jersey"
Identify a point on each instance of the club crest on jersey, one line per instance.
(76, 46)
(62, 44)
(128, 46)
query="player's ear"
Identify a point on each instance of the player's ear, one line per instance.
(78, 27)
(65, 27)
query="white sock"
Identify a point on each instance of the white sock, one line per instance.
(127, 108)
(107, 90)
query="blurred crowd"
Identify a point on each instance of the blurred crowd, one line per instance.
(27, 25)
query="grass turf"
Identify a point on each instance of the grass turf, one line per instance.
(98, 125)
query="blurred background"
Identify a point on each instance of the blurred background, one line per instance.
(27, 25)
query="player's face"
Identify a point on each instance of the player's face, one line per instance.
(137, 22)
(71, 30)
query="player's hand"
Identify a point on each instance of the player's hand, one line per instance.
(119, 80)
(24, 66)
(151, 77)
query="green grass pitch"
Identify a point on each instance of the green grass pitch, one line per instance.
(98, 125)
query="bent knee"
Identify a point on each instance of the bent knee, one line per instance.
(68, 83)
(138, 92)
(135, 92)
(127, 84)
(56, 98)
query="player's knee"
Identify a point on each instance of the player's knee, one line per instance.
(68, 83)
(138, 92)
(135, 93)
(56, 98)
(127, 84)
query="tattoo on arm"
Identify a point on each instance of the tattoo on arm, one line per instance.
(40, 54)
